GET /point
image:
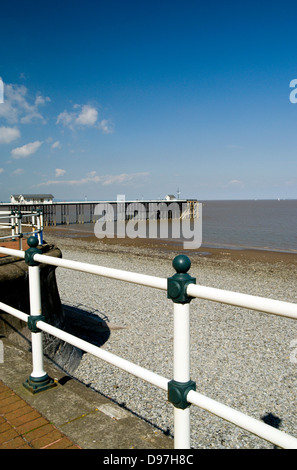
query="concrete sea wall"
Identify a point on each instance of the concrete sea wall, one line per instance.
(14, 291)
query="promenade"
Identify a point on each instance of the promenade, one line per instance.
(68, 416)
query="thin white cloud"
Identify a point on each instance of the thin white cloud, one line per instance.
(106, 126)
(26, 150)
(59, 172)
(66, 119)
(56, 145)
(92, 177)
(40, 100)
(18, 171)
(123, 178)
(236, 182)
(8, 134)
(18, 106)
(1, 170)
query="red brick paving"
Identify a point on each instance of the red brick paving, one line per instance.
(22, 427)
(14, 245)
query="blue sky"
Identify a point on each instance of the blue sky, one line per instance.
(142, 98)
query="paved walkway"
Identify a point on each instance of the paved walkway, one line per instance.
(22, 427)
(68, 416)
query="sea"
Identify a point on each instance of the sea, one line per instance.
(239, 224)
(253, 224)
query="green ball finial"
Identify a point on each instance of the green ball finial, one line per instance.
(181, 263)
(32, 242)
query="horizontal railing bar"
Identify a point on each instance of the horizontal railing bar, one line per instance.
(25, 214)
(143, 279)
(207, 293)
(12, 252)
(13, 311)
(261, 304)
(232, 298)
(128, 366)
(8, 215)
(29, 225)
(8, 236)
(238, 418)
(253, 302)
(29, 233)
(16, 212)
(259, 428)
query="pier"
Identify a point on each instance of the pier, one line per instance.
(80, 212)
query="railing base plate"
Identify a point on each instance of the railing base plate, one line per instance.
(40, 384)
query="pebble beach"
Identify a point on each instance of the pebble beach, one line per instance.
(241, 358)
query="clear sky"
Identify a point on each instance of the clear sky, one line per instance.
(144, 97)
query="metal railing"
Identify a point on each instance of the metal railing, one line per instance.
(181, 288)
(17, 220)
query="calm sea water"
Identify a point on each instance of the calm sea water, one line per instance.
(269, 225)
(260, 224)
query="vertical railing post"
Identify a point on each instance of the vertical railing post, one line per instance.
(20, 230)
(181, 384)
(39, 379)
(34, 227)
(12, 224)
(40, 226)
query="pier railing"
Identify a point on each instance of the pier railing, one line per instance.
(18, 222)
(181, 390)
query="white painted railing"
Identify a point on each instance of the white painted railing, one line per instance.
(181, 353)
(17, 220)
